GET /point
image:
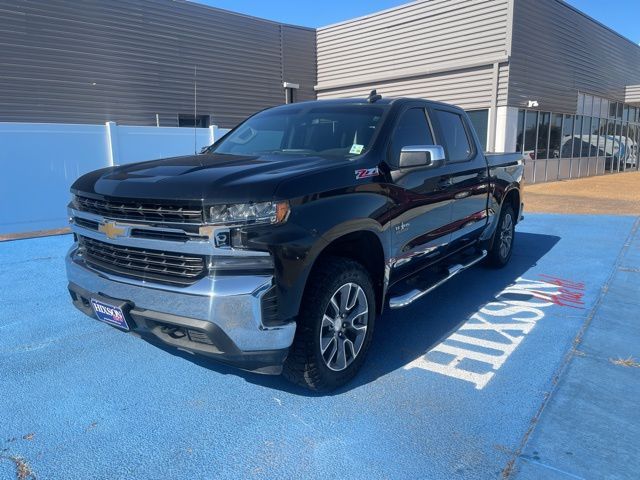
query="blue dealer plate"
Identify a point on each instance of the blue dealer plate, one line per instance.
(109, 314)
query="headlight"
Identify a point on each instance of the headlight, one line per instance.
(249, 213)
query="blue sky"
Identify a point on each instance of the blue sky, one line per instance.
(621, 15)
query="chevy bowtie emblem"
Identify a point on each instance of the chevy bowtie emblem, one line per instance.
(111, 229)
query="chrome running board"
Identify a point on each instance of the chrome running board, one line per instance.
(410, 297)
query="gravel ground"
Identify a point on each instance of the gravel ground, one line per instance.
(617, 194)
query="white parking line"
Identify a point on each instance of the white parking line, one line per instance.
(492, 334)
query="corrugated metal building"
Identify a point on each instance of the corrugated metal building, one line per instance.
(129, 60)
(536, 75)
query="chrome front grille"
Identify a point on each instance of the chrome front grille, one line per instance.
(153, 265)
(139, 211)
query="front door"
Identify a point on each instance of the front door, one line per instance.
(419, 229)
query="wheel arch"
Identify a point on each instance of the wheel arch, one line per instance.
(365, 246)
(512, 197)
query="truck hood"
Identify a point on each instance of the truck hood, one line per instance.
(207, 178)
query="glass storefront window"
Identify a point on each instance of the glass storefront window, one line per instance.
(603, 136)
(628, 146)
(530, 133)
(555, 135)
(577, 137)
(588, 105)
(595, 148)
(606, 130)
(632, 147)
(604, 109)
(602, 129)
(580, 107)
(585, 137)
(613, 108)
(596, 107)
(520, 135)
(566, 148)
(542, 149)
(618, 150)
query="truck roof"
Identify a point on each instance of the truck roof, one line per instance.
(386, 101)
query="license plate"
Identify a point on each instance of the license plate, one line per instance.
(109, 314)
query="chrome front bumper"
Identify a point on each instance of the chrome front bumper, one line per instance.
(232, 304)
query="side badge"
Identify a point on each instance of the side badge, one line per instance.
(401, 227)
(367, 172)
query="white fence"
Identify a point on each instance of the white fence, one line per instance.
(40, 161)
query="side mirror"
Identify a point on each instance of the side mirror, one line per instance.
(421, 156)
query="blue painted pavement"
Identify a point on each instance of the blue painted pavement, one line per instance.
(590, 427)
(449, 390)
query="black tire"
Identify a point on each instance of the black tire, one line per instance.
(498, 256)
(305, 364)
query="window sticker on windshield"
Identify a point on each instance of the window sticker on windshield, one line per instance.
(356, 149)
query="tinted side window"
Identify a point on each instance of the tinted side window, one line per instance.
(455, 136)
(411, 129)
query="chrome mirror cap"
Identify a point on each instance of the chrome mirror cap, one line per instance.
(421, 156)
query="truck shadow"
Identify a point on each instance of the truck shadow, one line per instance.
(404, 335)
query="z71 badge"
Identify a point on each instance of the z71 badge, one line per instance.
(367, 172)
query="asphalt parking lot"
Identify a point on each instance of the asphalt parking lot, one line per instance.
(478, 380)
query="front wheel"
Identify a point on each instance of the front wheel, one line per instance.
(335, 326)
(502, 247)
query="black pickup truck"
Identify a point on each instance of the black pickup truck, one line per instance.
(278, 246)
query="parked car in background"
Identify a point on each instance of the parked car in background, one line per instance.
(616, 150)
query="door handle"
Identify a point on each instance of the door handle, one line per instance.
(444, 184)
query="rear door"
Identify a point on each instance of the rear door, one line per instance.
(465, 176)
(419, 229)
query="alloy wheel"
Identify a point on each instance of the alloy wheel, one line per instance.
(506, 235)
(344, 326)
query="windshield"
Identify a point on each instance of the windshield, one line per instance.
(345, 130)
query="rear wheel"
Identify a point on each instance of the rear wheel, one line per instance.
(500, 252)
(335, 326)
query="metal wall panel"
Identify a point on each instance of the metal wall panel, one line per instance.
(503, 84)
(558, 51)
(565, 169)
(553, 165)
(529, 171)
(575, 168)
(632, 94)
(469, 88)
(584, 167)
(440, 49)
(128, 60)
(539, 171)
(299, 60)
